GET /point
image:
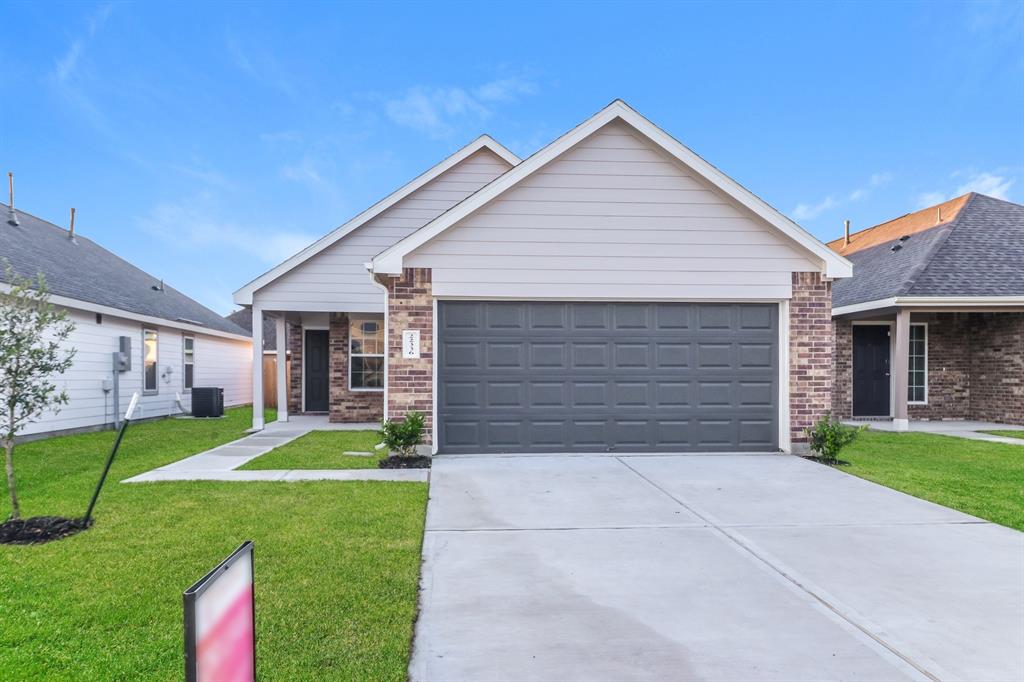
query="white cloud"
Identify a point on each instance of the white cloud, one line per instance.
(927, 199)
(809, 211)
(305, 171)
(66, 66)
(437, 111)
(993, 184)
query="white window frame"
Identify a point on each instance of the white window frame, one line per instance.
(925, 401)
(156, 361)
(184, 362)
(382, 355)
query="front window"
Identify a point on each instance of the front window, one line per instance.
(917, 381)
(366, 354)
(189, 360)
(149, 357)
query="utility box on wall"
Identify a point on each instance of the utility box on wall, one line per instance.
(123, 356)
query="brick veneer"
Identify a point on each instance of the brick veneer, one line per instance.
(295, 380)
(347, 405)
(811, 343)
(410, 381)
(997, 367)
(949, 367)
(842, 370)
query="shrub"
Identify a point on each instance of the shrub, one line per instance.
(403, 436)
(829, 436)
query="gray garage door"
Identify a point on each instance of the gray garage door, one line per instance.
(594, 377)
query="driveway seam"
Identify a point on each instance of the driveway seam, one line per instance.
(740, 542)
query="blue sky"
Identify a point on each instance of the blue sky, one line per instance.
(205, 143)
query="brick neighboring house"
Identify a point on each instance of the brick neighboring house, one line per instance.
(612, 292)
(931, 325)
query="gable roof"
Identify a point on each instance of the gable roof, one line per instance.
(243, 318)
(390, 260)
(910, 223)
(244, 295)
(977, 254)
(83, 274)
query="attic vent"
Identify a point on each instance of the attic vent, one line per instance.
(188, 321)
(12, 218)
(158, 287)
(904, 237)
(896, 247)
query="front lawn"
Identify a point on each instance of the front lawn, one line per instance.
(1006, 433)
(337, 564)
(323, 450)
(980, 478)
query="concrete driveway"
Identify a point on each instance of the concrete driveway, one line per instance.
(732, 567)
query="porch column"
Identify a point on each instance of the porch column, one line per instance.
(282, 370)
(257, 367)
(900, 365)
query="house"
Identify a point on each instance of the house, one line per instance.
(931, 325)
(612, 292)
(176, 343)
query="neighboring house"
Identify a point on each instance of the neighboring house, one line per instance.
(176, 343)
(243, 318)
(613, 291)
(931, 325)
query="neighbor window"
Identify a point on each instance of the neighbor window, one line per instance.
(188, 346)
(917, 381)
(366, 354)
(149, 340)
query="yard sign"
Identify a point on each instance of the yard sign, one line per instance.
(220, 622)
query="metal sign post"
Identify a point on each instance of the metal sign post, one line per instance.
(110, 457)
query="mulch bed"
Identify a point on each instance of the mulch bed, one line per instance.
(835, 463)
(399, 462)
(39, 529)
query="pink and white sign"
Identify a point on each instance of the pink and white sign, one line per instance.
(220, 632)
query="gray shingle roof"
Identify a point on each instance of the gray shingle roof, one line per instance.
(85, 271)
(243, 318)
(980, 253)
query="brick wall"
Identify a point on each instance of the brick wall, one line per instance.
(295, 380)
(949, 368)
(410, 381)
(811, 342)
(842, 370)
(347, 405)
(997, 367)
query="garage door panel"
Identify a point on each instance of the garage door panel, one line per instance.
(586, 377)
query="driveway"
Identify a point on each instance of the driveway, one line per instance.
(700, 567)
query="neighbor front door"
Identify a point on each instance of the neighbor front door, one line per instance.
(315, 371)
(871, 383)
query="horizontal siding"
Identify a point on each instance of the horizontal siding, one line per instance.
(225, 361)
(613, 217)
(336, 279)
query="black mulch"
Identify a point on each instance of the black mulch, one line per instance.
(399, 462)
(39, 529)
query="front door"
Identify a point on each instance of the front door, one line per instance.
(315, 371)
(871, 356)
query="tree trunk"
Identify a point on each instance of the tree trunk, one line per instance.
(9, 462)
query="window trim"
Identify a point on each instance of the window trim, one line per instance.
(184, 363)
(156, 361)
(925, 401)
(382, 355)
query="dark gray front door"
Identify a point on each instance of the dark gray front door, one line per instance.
(316, 370)
(871, 370)
(594, 377)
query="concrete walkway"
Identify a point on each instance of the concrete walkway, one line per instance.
(220, 463)
(958, 429)
(698, 567)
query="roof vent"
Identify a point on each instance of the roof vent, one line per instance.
(185, 319)
(12, 218)
(71, 227)
(896, 247)
(904, 237)
(159, 287)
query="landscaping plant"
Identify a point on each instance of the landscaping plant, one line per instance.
(829, 436)
(32, 332)
(402, 437)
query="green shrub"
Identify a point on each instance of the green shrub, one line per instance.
(403, 436)
(829, 436)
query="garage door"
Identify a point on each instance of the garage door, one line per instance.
(521, 377)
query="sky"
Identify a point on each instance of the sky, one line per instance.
(207, 142)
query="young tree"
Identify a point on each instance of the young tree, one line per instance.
(31, 334)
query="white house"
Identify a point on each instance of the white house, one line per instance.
(176, 343)
(612, 292)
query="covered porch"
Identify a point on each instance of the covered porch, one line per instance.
(329, 365)
(910, 364)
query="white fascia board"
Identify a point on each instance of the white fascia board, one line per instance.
(66, 302)
(833, 265)
(244, 295)
(932, 302)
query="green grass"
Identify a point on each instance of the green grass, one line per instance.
(980, 478)
(1006, 434)
(322, 450)
(337, 564)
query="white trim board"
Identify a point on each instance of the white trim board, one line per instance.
(244, 295)
(989, 302)
(389, 262)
